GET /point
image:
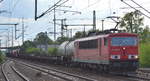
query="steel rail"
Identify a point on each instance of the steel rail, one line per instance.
(20, 74)
(47, 70)
(131, 75)
(81, 77)
(13, 68)
(5, 76)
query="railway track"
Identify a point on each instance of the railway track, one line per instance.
(134, 75)
(144, 72)
(11, 74)
(131, 75)
(60, 74)
(72, 77)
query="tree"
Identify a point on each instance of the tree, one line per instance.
(144, 55)
(42, 38)
(2, 57)
(52, 51)
(145, 34)
(62, 39)
(79, 34)
(33, 50)
(27, 44)
(132, 22)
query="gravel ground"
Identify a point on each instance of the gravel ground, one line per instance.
(144, 72)
(89, 74)
(10, 73)
(35, 75)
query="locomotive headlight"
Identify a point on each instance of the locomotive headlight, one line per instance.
(133, 56)
(115, 56)
(136, 56)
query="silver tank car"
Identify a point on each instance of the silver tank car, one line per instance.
(66, 48)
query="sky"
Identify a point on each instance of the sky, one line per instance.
(18, 10)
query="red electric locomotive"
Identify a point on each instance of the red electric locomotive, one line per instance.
(113, 51)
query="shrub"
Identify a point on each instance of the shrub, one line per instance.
(2, 57)
(52, 51)
(33, 51)
(145, 55)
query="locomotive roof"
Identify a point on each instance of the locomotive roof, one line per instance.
(105, 35)
(92, 37)
(122, 34)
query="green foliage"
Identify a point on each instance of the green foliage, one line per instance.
(42, 38)
(30, 46)
(132, 22)
(145, 54)
(62, 39)
(2, 57)
(145, 35)
(52, 51)
(33, 50)
(79, 34)
(27, 44)
(91, 31)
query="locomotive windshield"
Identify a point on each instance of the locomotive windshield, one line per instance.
(124, 41)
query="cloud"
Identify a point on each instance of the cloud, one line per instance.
(25, 8)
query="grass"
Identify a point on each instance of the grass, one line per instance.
(52, 51)
(33, 50)
(145, 54)
(2, 56)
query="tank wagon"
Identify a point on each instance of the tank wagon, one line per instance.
(114, 51)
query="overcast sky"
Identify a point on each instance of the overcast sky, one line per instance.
(18, 9)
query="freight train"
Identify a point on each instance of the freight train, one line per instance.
(105, 52)
(115, 51)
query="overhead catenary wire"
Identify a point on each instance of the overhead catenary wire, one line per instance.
(1, 1)
(15, 4)
(90, 5)
(51, 8)
(68, 11)
(110, 9)
(135, 9)
(57, 4)
(140, 6)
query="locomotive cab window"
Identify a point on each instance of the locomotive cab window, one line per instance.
(124, 41)
(105, 41)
